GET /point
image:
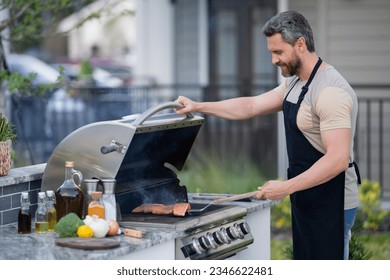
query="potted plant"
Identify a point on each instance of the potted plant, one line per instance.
(7, 133)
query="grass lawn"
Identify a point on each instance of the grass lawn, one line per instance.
(377, 243)
(277, 247)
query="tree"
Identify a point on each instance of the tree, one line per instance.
(25, 24)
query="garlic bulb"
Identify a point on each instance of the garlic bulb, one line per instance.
(99, 226)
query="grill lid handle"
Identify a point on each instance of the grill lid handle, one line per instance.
(151, 111)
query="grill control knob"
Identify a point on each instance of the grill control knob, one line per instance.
(238, 231)
(196, 245)
(244, 228)
(224, 236)
(201, 244)
(233, 233)
(204, 242)
(212, 241)
(217, 236)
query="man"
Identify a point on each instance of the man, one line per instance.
(320, 110)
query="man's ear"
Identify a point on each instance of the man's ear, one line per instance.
(301, 44)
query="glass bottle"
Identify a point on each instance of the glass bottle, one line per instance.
(69, 196)
(96, 206)
(90, 186)
(51, 210)
(41, 217)
(109, 200)
(24, 217)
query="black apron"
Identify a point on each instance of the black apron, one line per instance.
(318, 212)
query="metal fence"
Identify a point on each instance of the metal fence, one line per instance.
(43, 121)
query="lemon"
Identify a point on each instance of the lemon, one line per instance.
(84, 231)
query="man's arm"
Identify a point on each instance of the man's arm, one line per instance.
(334, 161)
(236, 108)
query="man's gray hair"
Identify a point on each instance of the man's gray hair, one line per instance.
(291, 25)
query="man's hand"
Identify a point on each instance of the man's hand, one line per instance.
(188, 105)
(274, 190)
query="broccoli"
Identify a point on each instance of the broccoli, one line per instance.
(67, 226)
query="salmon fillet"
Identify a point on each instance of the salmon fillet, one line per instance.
(146, 208)
(162, 209)
(178, 209)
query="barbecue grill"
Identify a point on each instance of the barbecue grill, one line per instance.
(143, 153)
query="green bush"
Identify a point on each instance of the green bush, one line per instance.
(281, 214)
(369, 217)
(220, 174)
(357, 249)
(369, 198)
(370, 205)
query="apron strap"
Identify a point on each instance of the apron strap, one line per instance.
(305, 88)
(353, 164)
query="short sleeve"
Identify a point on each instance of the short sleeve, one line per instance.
(334, 108)
(282, 88)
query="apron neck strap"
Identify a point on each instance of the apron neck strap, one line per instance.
(305, 88)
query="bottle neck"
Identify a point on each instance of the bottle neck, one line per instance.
(25, 203)
(41, 202)
(50, 204)
(25, 206)
(69, 173)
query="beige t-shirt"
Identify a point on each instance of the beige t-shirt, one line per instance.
(330, 103)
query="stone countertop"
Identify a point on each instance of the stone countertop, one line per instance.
(42, 246)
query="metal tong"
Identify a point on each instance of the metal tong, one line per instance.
(224, 200)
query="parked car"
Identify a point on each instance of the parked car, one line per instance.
(59, 101)
(25, 64)
(114, 67)
(103, 76)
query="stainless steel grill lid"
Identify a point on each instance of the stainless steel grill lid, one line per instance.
(135, 150)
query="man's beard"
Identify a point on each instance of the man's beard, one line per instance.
(290, 69)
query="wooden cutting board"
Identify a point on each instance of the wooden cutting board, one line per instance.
(87, 243)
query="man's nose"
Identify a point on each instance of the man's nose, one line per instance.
(275, 60)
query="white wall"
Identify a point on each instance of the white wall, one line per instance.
(352, 35)
(112, 32)
(155, 45)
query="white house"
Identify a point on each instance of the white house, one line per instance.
(112, 32)
(354, 35)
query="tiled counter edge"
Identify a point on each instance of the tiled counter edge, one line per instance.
(18, 180)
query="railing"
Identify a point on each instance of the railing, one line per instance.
(373, 135)
(42, 122)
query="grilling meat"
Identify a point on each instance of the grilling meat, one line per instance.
(178, 209)
(160, 209)
(146, 208)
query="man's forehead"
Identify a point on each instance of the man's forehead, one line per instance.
(276, 42)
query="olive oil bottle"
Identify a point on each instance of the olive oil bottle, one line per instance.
(41, 217)
(24, 216)
(51, 210)
(69, 196)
